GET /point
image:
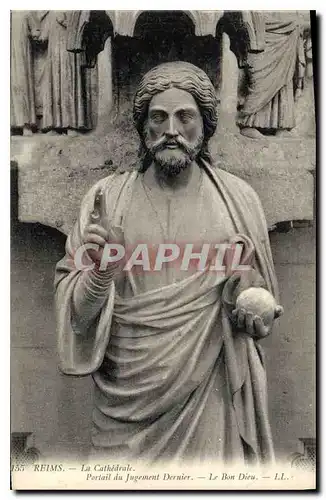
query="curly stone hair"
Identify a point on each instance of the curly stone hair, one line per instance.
(184, 76)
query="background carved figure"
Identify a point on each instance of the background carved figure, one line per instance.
(40, 50)
(274, 75)
(24, 27)
(64, 92)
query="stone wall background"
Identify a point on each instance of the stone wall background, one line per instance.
(280, 171)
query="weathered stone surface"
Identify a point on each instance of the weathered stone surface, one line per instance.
(290, 356)
(305, 112)
(55, 172)
(278, 169)
(299, 249)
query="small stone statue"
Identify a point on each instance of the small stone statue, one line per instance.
(63, 95)
(24, 29)
(40, 50)
(274, 76)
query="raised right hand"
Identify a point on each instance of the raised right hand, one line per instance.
(98, 231)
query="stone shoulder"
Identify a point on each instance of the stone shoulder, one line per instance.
(106, 184)
(238, 185)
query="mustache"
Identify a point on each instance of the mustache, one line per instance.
(179, 141)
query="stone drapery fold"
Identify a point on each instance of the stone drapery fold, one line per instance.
(168, 364)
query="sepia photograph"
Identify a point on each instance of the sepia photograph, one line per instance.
(163, 249)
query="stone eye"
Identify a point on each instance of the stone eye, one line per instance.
(185, 116)
(158, 117)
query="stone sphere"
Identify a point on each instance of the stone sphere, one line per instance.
(259, 302)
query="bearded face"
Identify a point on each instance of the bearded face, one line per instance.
(174, 130)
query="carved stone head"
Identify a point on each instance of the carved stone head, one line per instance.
(189, 80)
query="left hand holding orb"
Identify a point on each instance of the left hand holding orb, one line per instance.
(255, 311)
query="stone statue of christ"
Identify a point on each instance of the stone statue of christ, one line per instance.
(177, 366)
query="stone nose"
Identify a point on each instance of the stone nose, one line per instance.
(172, 129)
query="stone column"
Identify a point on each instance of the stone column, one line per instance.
(229, 88)
(105, 95)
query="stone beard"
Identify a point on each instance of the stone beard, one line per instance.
(172, 161)
(175, 380)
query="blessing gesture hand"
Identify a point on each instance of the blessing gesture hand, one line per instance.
(98, 231)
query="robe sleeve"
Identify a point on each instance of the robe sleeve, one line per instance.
(242, 280)
(244, 357)
(34, 24)
(301, 62)
(43, 19)
(248, 216)
(80, 354)
(255, 24)
(263, 253)
(62, 19)
(77, 22)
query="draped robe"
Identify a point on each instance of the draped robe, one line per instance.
(270, 100)
(22, 96)
(40, 60)
(173, 379)
(67, 85)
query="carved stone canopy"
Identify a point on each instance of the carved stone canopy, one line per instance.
(124, 22)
